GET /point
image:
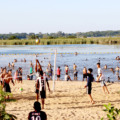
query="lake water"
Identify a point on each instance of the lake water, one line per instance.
(105, 53)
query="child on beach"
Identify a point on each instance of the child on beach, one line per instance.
(101, 78)
(90, 79)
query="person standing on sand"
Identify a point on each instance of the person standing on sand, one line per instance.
(6, 81)
(58, 73)
(41, 85)
(38, 70)
(20, 74)
(84, 73)
(101, 78)
(31, 71)
(37, 114)
(90, 79)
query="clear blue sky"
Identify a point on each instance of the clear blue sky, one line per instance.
(69, 16)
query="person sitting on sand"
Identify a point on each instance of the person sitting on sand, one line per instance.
(28, 77)
(90, 79)
(37, 114)
(6, 81)
(41, 85)
(85, 73)
(101, 78)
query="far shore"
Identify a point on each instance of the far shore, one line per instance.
(63, 41)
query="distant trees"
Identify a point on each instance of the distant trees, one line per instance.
(60, 34)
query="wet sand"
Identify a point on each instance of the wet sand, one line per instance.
(68, 102)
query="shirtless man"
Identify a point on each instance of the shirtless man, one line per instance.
(6, 81)
(4, 73)
(85, 73)
(74, 66)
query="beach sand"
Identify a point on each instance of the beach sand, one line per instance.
(68, 102)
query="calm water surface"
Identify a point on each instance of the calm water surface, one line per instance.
(81, 60)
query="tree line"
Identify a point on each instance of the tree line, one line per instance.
(59, 34)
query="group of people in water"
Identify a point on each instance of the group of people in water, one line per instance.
(42, 80)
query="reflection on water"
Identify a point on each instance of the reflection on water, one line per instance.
(81, 60)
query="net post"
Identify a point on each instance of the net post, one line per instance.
(54, 70)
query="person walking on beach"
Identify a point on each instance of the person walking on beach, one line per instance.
(58, 73)
(37, 114)
(101, 78)
(85, 73)
(90, 79)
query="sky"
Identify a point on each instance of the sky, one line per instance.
(69, 16)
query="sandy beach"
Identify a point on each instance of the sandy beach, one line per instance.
(68, 102)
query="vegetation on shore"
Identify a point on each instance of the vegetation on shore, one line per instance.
(60, 41)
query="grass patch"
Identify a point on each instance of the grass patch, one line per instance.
(97, 40)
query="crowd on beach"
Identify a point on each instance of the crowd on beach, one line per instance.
(43, 77)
